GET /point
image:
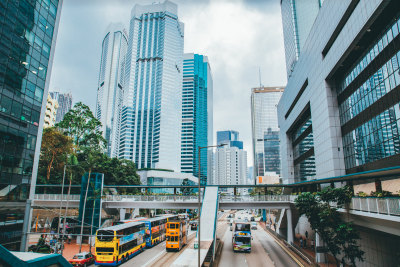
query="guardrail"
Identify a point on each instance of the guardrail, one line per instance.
(387, 206)
(57, 197)
(258, 198)
(170, 198)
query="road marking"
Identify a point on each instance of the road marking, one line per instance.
(154, 258)
(289, 253)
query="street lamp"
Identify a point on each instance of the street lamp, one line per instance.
(199, 201)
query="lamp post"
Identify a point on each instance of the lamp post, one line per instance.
(199, 199)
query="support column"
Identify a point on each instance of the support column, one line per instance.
(122, 214)
(290, 226)
(320, 257)
(264, 215)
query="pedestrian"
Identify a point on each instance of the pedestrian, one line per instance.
(305, 243)
(69, 238)
(301, 242)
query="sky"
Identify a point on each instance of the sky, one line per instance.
(238, 36)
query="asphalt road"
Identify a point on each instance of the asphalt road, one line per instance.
(264, 252)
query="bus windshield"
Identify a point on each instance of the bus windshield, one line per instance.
(105, 235)
(242, 227)
(242, 239)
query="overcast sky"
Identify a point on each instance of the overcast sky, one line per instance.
(238, 36)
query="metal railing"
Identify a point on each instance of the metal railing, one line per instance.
(257, 198)
(387, 206)
(167, 198)
(57, 197)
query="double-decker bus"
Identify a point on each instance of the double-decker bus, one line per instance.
(241, 237)
(155, 230)
(130, 220)
(116, 244)
(176, 234)
(171, 217)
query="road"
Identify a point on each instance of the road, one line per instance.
(264, 252)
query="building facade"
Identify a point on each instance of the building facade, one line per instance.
(152, 110)
(197, 114)
(51, 112)
(229, 137)
(111, 85)
(230, 160)
(64, 104)
(167, 178)
(28, 31)
(298, 16)
(265, 130)
(340, 113)
(230, 166)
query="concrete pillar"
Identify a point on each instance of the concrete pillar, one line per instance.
(122, 214)
(320, 257)
(290, 226)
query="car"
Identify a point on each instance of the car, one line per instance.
(82, 259)
(253, 226)
(252, 219)
(193, 225)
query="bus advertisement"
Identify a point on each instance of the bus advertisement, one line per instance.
(241, 238)
(117, 244)
(155, 231)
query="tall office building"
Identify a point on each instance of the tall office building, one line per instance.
(64, 104)
(111, 85)
(265, 130)
(28, 31)
(230, 166)
(51, 112)
(339, 116)
(152, 110)
(229, 137)
(197, 114)
(298, 17)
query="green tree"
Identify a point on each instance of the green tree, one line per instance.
(54, 150)
(339, 236)
(80, 124)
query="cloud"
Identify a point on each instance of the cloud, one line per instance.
(238, 36)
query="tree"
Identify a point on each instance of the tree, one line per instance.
(339, 236)
(55, 149)
(80, 124)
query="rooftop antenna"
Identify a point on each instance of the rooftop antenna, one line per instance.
(259, 75)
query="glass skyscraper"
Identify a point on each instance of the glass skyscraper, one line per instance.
(298, 16)
(111, 85)
(229, 137)
(64, 104)
(197, 114)
(152, 110)
(28, 31)
(265, 129)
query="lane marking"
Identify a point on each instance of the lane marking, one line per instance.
(154, 258)
(285, 249)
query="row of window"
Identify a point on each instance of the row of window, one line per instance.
(380, 83)
(376, 139)
(377, 47)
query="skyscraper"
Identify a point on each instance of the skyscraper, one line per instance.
(111, 85)
(28, 31)
(51, 112)
(230, 161)
(152, 109)
(297, 18)
(64, 104)
(265, 129)
(197, 113)
(229, 137)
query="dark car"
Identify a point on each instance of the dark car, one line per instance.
(82, 259)
(193, 225)
(252, 219)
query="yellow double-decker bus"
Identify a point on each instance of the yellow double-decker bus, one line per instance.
(117, 244)
(176, 234)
